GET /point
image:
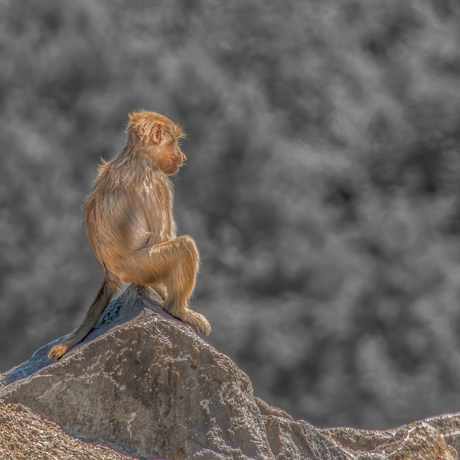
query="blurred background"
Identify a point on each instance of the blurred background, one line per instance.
(322, 185)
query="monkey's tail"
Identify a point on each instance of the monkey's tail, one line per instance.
(108, 288)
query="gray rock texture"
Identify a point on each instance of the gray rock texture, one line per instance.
(147, 386)
(26, 436)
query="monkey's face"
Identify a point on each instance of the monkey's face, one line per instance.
(170, 157)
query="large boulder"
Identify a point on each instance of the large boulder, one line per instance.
(147, 386)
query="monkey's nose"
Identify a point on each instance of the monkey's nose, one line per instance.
(184, 158)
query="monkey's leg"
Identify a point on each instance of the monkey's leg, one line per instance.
(174, 264)
(108, 288)
(160, 290)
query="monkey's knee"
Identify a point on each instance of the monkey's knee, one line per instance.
(188, 244)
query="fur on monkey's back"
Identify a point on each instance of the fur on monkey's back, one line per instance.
(124, 213)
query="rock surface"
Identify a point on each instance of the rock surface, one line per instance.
(147, 386)
(25, 435)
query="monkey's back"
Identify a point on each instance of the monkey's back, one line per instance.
(128, 208)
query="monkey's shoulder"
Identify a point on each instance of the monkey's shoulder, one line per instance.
(150, 180)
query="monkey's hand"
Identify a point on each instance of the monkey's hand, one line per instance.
(57, 351)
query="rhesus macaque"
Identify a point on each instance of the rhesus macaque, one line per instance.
(131, 229)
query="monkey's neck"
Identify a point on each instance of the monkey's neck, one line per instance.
(138, 150)
(138, 159)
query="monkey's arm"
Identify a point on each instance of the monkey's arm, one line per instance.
(157, 209)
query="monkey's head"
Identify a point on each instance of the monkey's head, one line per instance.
(158, 136)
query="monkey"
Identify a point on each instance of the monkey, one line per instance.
(131, 229)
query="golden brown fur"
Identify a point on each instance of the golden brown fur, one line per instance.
(131, 228)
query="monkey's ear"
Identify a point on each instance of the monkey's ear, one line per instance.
(157, 134)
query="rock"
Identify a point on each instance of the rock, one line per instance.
(25, 435)
(147, 386)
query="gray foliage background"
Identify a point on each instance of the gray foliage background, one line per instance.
(322, 184)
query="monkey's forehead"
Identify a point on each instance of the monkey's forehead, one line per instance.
(143, 121)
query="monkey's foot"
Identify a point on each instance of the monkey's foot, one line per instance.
(197, 320)
(57, 351)
(189, 316)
